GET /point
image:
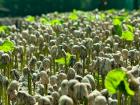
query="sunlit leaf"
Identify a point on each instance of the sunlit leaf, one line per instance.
(90, 17)
(4, 29)
(62, 60)
(55, 22)
(116, 78)
(128, 90)
(111, 11)
(102, 16)
(113, 79)
(7, 46)
(116, 22)
(127, 35)
(73, 16)
(130, 28)
(43, 20)
(30, 19)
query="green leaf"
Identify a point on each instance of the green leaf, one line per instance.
(102, 16)
(117, 30)
(90, 17)
(111, 11)
(62, 60)
(7, 46)
(55, 22)
(73, 16)
(128, 90)
(116, 22)
(117, 80)
(130, 28)
(30, 19)
(127, 35)
(43, 20)
(4, 29)
(113, 79)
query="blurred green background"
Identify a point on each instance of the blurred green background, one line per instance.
(37, 7)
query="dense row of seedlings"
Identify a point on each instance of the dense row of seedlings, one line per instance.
(79, 58)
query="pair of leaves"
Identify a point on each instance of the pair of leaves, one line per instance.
(62, 60)
(53, 22)
(117, 80)
(118, 30)
(7, 46)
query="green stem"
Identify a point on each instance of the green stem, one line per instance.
(129, 100)
(0, 93)
(119, 94)
(16, 62)
(103, 78)
(83, 67)
(29, 84)
(85, 101)
(3, 98)
(77, 57)
(126, 100)
(98, 80)
(54, 65)
(46, 89)
(126, 62)
(34, 87)
(66, 65)
(6, 98)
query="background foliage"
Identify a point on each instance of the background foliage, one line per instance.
(37, 7)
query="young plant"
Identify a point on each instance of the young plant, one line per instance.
(64, 60)
(117, 82)
(7, 46)
(30, 19)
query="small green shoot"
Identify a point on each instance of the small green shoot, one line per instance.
(73, 15)
(62, 60)
(30, 19)
(55, 22)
